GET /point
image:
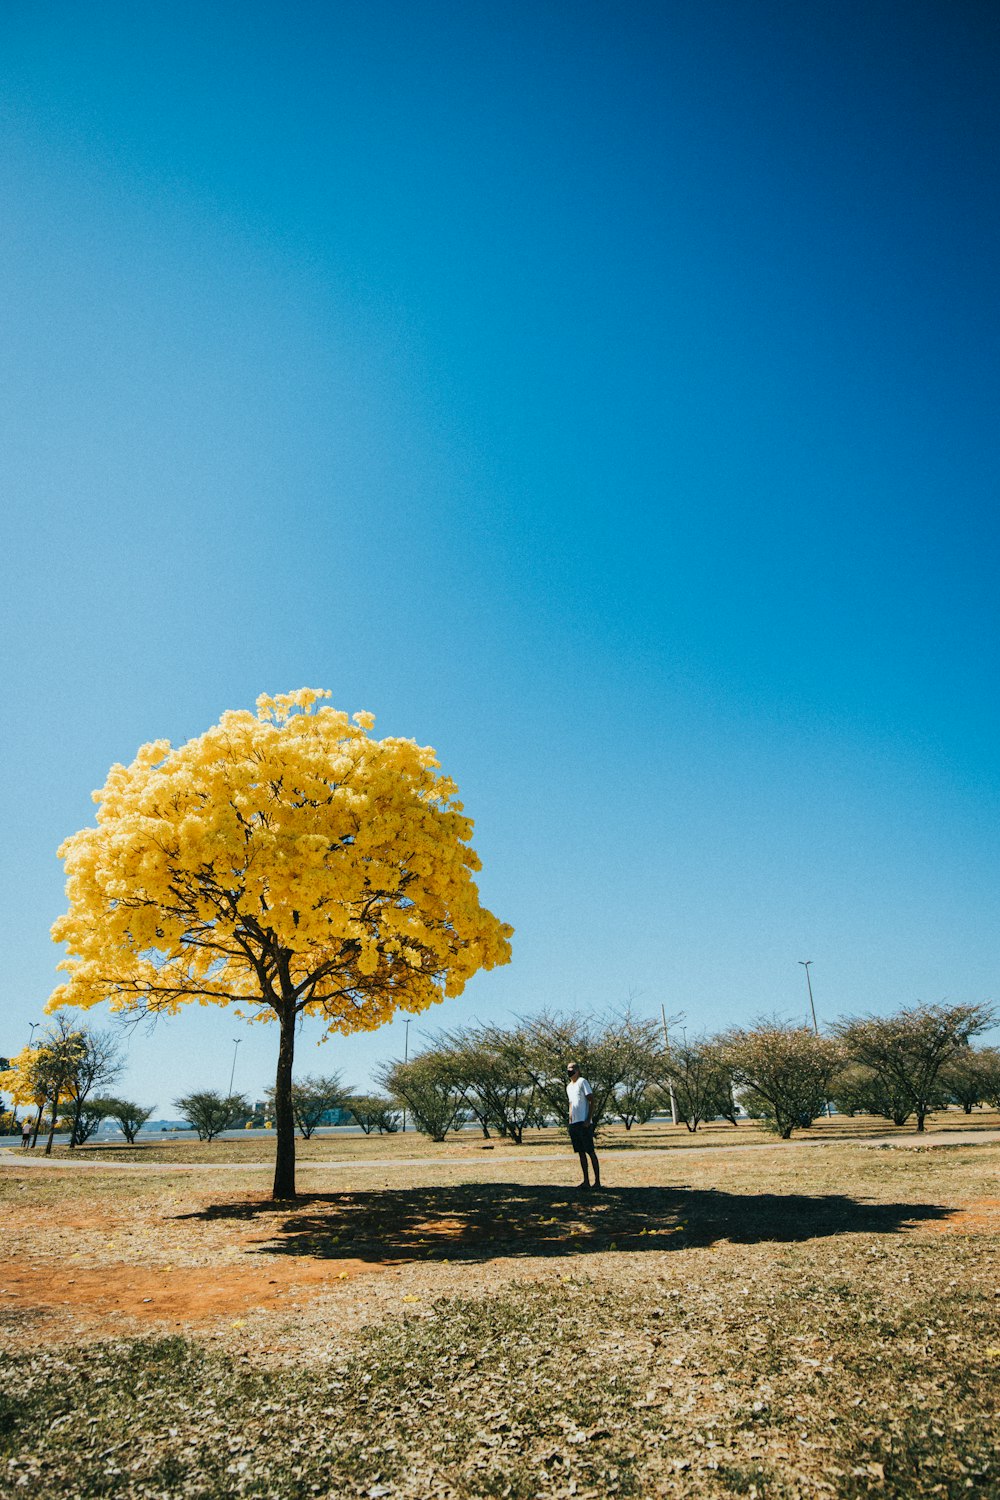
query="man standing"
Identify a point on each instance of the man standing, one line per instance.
(581, 1123)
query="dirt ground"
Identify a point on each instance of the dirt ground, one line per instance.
(777, 1322)
(103, 1252)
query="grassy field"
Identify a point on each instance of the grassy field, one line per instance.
(774, 1323)
(353, 1147)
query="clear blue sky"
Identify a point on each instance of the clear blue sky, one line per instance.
(606, 394)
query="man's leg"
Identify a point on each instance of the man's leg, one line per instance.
(592, 1153)
(583, 1168)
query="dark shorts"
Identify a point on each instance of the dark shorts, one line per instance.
(582, 1136)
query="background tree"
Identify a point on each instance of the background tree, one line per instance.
(426, 1085)
(487, 1068)
(858, 1090)
(972, 1077)
(44, 1073)
(908, 1050)
(22, 1080)
(129, 1117)
(211, 1113)
(375, 1112)
(314, 1097)
(784, 1072)
(459, 1057)
(703, 1081)
(98, 1062)
(503, 1083)
(604, 1051)
(85, 1120)
(286, 862)
(630, 1051)
(19, 1079)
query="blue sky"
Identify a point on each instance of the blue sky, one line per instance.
(604, 394)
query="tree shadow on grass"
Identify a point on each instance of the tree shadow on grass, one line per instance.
(485, 1222)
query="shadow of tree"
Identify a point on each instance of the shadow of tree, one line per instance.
(480, 1222)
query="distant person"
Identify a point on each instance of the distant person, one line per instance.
(581, 1123)
(25, 1133)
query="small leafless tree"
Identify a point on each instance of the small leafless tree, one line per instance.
(210, 1113)
(129, 1117)
(312, 1098)
(427, 1086)
(972, 1077)
(98, 1063)
(375, 1112)
(702, 1079)
(490, 1069)
(621, 1057)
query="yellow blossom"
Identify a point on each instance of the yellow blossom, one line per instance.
(285, 861)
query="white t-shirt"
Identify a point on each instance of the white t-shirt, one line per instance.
(578, 1091)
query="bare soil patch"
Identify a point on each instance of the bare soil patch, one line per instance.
(981, 1216)
(172, 1296)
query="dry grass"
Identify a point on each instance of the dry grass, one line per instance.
(782, 1322)
(658, 1135)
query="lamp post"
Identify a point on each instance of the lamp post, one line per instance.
(232, 1073)
(670, 1081)
(805, 962)
(32, 1028)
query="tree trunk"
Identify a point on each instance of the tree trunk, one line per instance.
(52, 1127)
(284, 1119)
(920, 1119)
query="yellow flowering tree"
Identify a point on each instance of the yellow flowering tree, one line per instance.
(19, 1078)
(285, 861)
(22, 1080)
(47, 1072)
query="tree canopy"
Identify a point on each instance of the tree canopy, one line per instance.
(210, 1113)
(285, 861)
(907, 1050)
(784, 1072)
(63, 1067)
(312, 1098)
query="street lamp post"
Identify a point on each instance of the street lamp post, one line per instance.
(670, 1081)
(32, 1028)
(232, 1073)
(805, 962)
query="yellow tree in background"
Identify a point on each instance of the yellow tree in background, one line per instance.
(288, 862)
(23, 1080)
(46, 1072)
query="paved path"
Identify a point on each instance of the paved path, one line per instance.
(16, 1157)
